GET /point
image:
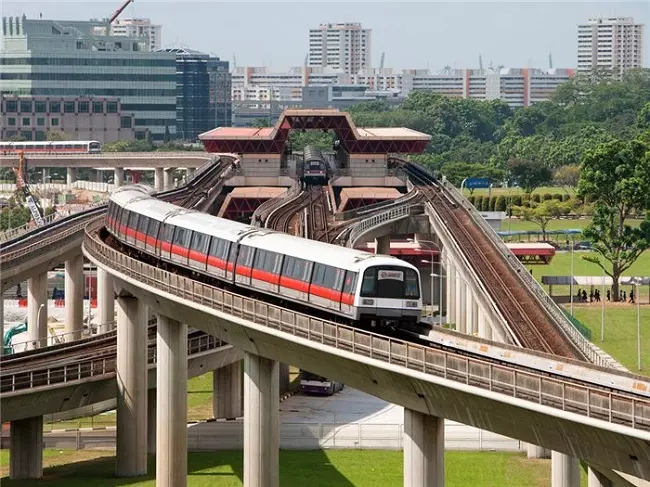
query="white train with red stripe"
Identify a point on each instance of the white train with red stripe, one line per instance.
(376, 289)
(52, 147)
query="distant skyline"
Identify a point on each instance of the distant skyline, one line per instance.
(413, 35)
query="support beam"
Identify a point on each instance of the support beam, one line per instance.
(261, 422)
(597, 479)
(119, 177)
(424, 450)
(535, 451)
(2, 320)
(460, 304)
(74, 298)
(131, 388)
(71, 175)
(167, 178)
(226, 387)
(469, 310)
(152, 403)
(26, 448)
(189, 173)
(105, 300)
(565, 470)
(171, 418)
(158, 181)
(382, 245)
(474, 314)
(284, 378)
(37, 310)
(451, 293)
(46, 175)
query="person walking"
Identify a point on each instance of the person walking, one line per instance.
(609, 295)
(632, 295)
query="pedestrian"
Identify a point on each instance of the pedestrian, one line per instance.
(584, 296)
(624, 296)
(609, 295)
(579, 294)
(632, 295)
(597, 295)
(591, 296)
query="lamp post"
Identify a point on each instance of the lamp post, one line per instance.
(571, 282)
(435, 245)
(602, 305)
(638, 324)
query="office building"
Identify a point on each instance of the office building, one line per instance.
(609, 45)
(141, 28)
(343, 46)
(203, 92)
(82, 118)
(49, 58)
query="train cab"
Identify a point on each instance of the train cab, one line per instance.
(314, 167)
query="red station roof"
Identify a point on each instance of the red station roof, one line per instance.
(355, 140)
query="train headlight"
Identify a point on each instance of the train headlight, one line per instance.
(411, 304)
(367, 302)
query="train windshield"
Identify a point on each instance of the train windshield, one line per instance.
(94, 147)
(391, 283)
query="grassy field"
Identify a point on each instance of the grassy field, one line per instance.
(329, 468)
(517, 224)
(514, 191)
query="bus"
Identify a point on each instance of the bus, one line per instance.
(317, 384)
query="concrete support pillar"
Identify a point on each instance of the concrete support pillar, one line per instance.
(2, 320)
(105, 301)
(226, 387)
(382, 245)
(171, 418)
(46, 175)
(284, 378)
(37, 310)
(74, 298)
(167, 178)
(71, 175)
(535, 451)
(424, 450)
(99, 176)
(475, 313)
(189, 173)
(158, 182)
(131, 388)
(119, 177)
(151, 420)
(469, 310)
(261, 422)
(451, 293)
(460, 304)
(597, 479)
(26, 448)
(565, 470)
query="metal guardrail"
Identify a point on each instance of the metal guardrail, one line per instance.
(367, 224)
(584, 345)
(15, 232)
(262, 212)
(364, 210)
(97, 368)
(579, 397)
(118, 155)
(59, 339)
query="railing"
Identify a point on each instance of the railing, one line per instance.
(58, 339)
(261, 212)
(381, 205)
(97, 367)
(584, 345)
(364, 226)
(624, 408)
(15, 232)
(118, 155)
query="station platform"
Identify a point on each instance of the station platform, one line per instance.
(352, 198)
(241, 202)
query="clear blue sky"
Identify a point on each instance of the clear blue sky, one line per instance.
(413, 35)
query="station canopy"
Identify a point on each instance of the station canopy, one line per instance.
(353, 139)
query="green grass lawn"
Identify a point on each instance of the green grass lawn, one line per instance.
(327, 468)
(517, 224)
(514, 191)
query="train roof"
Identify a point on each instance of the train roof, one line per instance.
(48, 142)
(211, 225)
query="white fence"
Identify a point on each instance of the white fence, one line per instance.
(59, 187)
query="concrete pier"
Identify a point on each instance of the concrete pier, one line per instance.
(565, 470)
(152, 403)
(26, 448)
(105, 300)
(382, 245)
(167, 178)
(158, 179)
(37, 310)
(189, 173)
(597, 479)
(171, 416)
(119, 177)
(131, 388)
(460, 304)
(261, 422)
(535, 451)
(226, 386)
(424, 450)
(74, 297)
(71, 175)
(451, 294)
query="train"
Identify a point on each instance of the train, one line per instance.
(317, 384)
(367, 289)
(314, 166)
(52, 147)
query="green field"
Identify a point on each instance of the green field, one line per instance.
(328, 468)
(514, 191)
(517, 224)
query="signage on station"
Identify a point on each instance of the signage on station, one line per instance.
(473, 183)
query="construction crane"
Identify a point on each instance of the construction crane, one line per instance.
(21, 184)
(117, 13)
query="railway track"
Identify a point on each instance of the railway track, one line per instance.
(530, 323)
(319, 215)
(284, 217)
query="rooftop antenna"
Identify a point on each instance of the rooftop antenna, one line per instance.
(234, 61)
(381, 61)
(306, 59)
(550, 60)
(480, 62)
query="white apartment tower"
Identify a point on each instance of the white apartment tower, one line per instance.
(139, 28)
(612, 43)
(343, 46)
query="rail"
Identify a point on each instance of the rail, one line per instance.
(59, 339)
(118, 155)
(381, 205)
(27, 227)
(100, 367)
(379, 219)
(262, 212)
(613, 405)
(585, 346)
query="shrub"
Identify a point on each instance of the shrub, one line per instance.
(501, 203)
(547, 196)
(536, 198)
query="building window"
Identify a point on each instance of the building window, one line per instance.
(54, 122)
(111, 107)
(12, 121)
(98, 107)
(125, 122)
(84, 107)
(27, 122)
(140, 135)
(26, 135)
(40, 136)
(41, 107)
(25, 106)
(12, 106)
(40, 121)
(68, 107)
(55, 107)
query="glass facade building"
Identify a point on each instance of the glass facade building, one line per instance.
(47, 58)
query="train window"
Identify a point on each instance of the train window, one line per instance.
(260, 259)
(287, 266)
(133, 220)
(218, 248)
(233, 252)
(242, 258)
(319, 274)
(143, 222)
(154, 226)
(198, 242)
(329, 281)
(122, 219)
(411, 285)
(350, 282)
(369, 283)
(167, 232)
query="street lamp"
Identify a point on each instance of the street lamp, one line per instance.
(638, 323)
(419, 242)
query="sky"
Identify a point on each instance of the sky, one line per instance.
(411, 34)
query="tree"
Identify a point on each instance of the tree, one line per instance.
(529, 175)
(567, 176)
(543, 213)
(57, 136)
(616, 176)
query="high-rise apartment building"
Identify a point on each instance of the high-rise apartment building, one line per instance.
(49, 58)
(610, 45)
(139, 28)
(340, 46)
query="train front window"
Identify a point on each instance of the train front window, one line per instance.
(390, 283)
(411, 285)
(93, 147)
